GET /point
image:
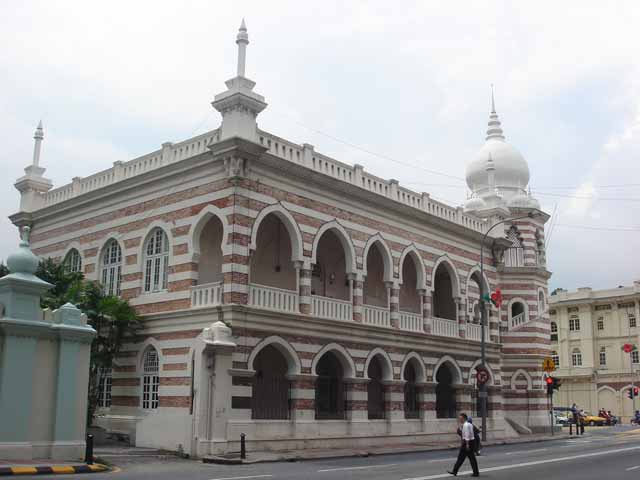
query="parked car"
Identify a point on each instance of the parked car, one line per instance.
(594, 420)
(561, 418)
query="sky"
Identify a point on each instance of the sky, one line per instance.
(402, 88)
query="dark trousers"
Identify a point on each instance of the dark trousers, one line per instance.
(464, 453)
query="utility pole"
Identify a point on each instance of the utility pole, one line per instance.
(482, 390)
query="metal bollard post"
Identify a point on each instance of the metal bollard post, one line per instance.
(243, 447)
(88, 452)
(570, 428)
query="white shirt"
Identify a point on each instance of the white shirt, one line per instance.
(467, 432)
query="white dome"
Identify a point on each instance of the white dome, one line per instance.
(510, 169)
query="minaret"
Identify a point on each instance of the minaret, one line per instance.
(33, 184)
(240, 105)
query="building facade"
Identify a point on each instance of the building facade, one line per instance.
(299, 299)
(589, 329)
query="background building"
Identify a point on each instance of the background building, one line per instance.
(352, 303)
(588, 331)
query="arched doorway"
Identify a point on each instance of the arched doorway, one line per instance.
(411, 401)
(329, 275)
(445, 392)
(409, 297)
(375, 390)
(271, 263)
(270, 398)
(210, 260)
(375, 290)
(329, 388)
(444, 306)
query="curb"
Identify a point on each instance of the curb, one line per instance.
(224, 460)
(52, 469)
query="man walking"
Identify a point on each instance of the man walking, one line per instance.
(467, 447)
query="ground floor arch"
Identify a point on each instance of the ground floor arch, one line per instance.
(270, 393)
(445, 392)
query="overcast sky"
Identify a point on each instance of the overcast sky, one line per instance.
(408, 81)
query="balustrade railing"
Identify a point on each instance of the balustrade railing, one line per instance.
(474, 332)
(411, 321)
(272, 298)
(445, 328)
(331, 308)
(207, 295)
(518, 320)
(378, 316)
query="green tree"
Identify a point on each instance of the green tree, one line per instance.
(113, 318)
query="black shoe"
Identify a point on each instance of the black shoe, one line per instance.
(452, 473)
(475, 475)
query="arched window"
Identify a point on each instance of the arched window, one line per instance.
(411, 401)
(576, 357)
(555, 358)
(156, 261)
(104, 387)
(329, 274)
(444, 305)
(150, 379)
(518, 314)
(410, 300)
(541, 305)
(111, 268)
(554, 332)
(73, 261)
(374, 288)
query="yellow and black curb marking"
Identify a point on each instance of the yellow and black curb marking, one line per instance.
(48, 470)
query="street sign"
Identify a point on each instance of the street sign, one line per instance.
(482, 375)
(548, 365)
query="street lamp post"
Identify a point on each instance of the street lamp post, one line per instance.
(482, 394)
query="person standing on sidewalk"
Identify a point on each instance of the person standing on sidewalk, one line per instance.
(466, 447)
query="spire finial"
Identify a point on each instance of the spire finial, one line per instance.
(493, 102)
(38, 136)
(242, 40)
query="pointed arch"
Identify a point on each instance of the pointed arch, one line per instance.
(69, 258)
(416, 359)
(414, 253)
(341, 354)
(385, 251)
(447, 263)
(293, 361)
(607, 387)
(517, 374)
(345, 240)
(475, 270)
(200, 222)
(448, 359)
(289, 223)
(387, 364)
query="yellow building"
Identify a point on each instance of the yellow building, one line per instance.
(588, 331)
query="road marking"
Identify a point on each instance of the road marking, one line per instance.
(633, 468)
(529, 464)
(527, 451)
(243, 478)
(356, 468)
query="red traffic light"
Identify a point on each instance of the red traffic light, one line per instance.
(549, 380)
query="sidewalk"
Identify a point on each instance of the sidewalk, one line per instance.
(315, 454)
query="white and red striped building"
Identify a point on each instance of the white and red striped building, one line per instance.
(299, 299)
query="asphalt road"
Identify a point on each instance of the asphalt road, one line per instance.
(605, 454)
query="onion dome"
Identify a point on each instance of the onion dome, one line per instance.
(511, 171)
(23, 261)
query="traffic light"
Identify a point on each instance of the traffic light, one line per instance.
(632, 392)
(549, 381)
(556, 383)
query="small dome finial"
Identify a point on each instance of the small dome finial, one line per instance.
(243, 26)
(495, 128)
(242, 40)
